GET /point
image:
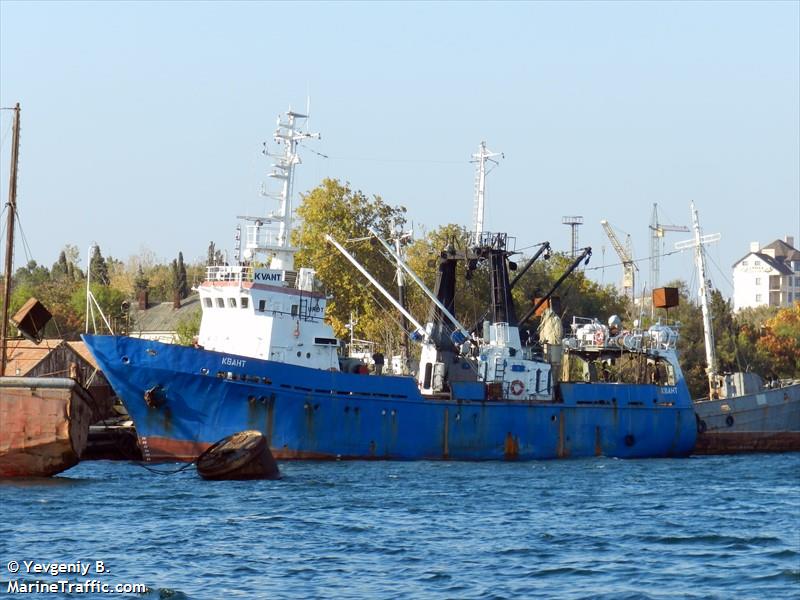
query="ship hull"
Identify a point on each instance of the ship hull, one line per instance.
(767, 421)
(44, 425)
(182, 400)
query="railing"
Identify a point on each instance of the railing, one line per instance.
(236, 273)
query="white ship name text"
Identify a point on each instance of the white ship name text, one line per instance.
(233, 362)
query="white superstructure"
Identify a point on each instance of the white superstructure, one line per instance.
(264, 308)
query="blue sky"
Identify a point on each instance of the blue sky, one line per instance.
(143, 122)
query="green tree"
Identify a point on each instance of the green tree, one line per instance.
(61, 267)
(161, 283)
(188, 327)
(725, 333)
(98, 268)
(214, 256)
(140, 282)
(31, 274)
(175, 278)
(346, 214)
(182, 283)
(110, 301)
(422, 255)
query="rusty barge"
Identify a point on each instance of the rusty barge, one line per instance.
(44, 425)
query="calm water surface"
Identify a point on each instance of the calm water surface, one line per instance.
(704, 527)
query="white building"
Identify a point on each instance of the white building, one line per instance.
(768, 276)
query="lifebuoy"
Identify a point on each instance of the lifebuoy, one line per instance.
(598, 337)
(517, 387)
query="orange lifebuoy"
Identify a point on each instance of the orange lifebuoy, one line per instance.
(517, 387)
(598, 337)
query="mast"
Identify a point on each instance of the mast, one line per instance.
(708, 333)
(480, 185)
(12, 210)
(259, 237)
(400, 238)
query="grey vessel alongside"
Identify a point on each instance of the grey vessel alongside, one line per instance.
(749, 416)
(741, 413)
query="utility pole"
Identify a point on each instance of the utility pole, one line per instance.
(12, 210)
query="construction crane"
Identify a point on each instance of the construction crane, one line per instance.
(657, 231)
(625, 254)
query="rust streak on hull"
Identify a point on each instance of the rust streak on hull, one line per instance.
(511, 447)
(735, 442)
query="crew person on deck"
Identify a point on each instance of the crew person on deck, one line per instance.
(377, 358)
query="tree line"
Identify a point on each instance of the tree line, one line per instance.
(764, 340)
(115, 285)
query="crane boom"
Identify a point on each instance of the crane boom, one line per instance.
(625, 255)
(657, 231)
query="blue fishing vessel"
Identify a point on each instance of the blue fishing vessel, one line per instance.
(267, 360)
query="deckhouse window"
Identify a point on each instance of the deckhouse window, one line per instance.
(262, 305)
(244, 301)
(295, 310)
(207, 302)
(232, 302)
(220, 303)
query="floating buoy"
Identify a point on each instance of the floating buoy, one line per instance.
(243, 455)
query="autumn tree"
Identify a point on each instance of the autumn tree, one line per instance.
(751, 325)
(781, 341)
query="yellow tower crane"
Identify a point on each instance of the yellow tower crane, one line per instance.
(625, 254)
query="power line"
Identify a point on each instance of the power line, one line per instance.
(386, 160)
(619, 264)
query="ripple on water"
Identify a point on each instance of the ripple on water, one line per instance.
(596, 528)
